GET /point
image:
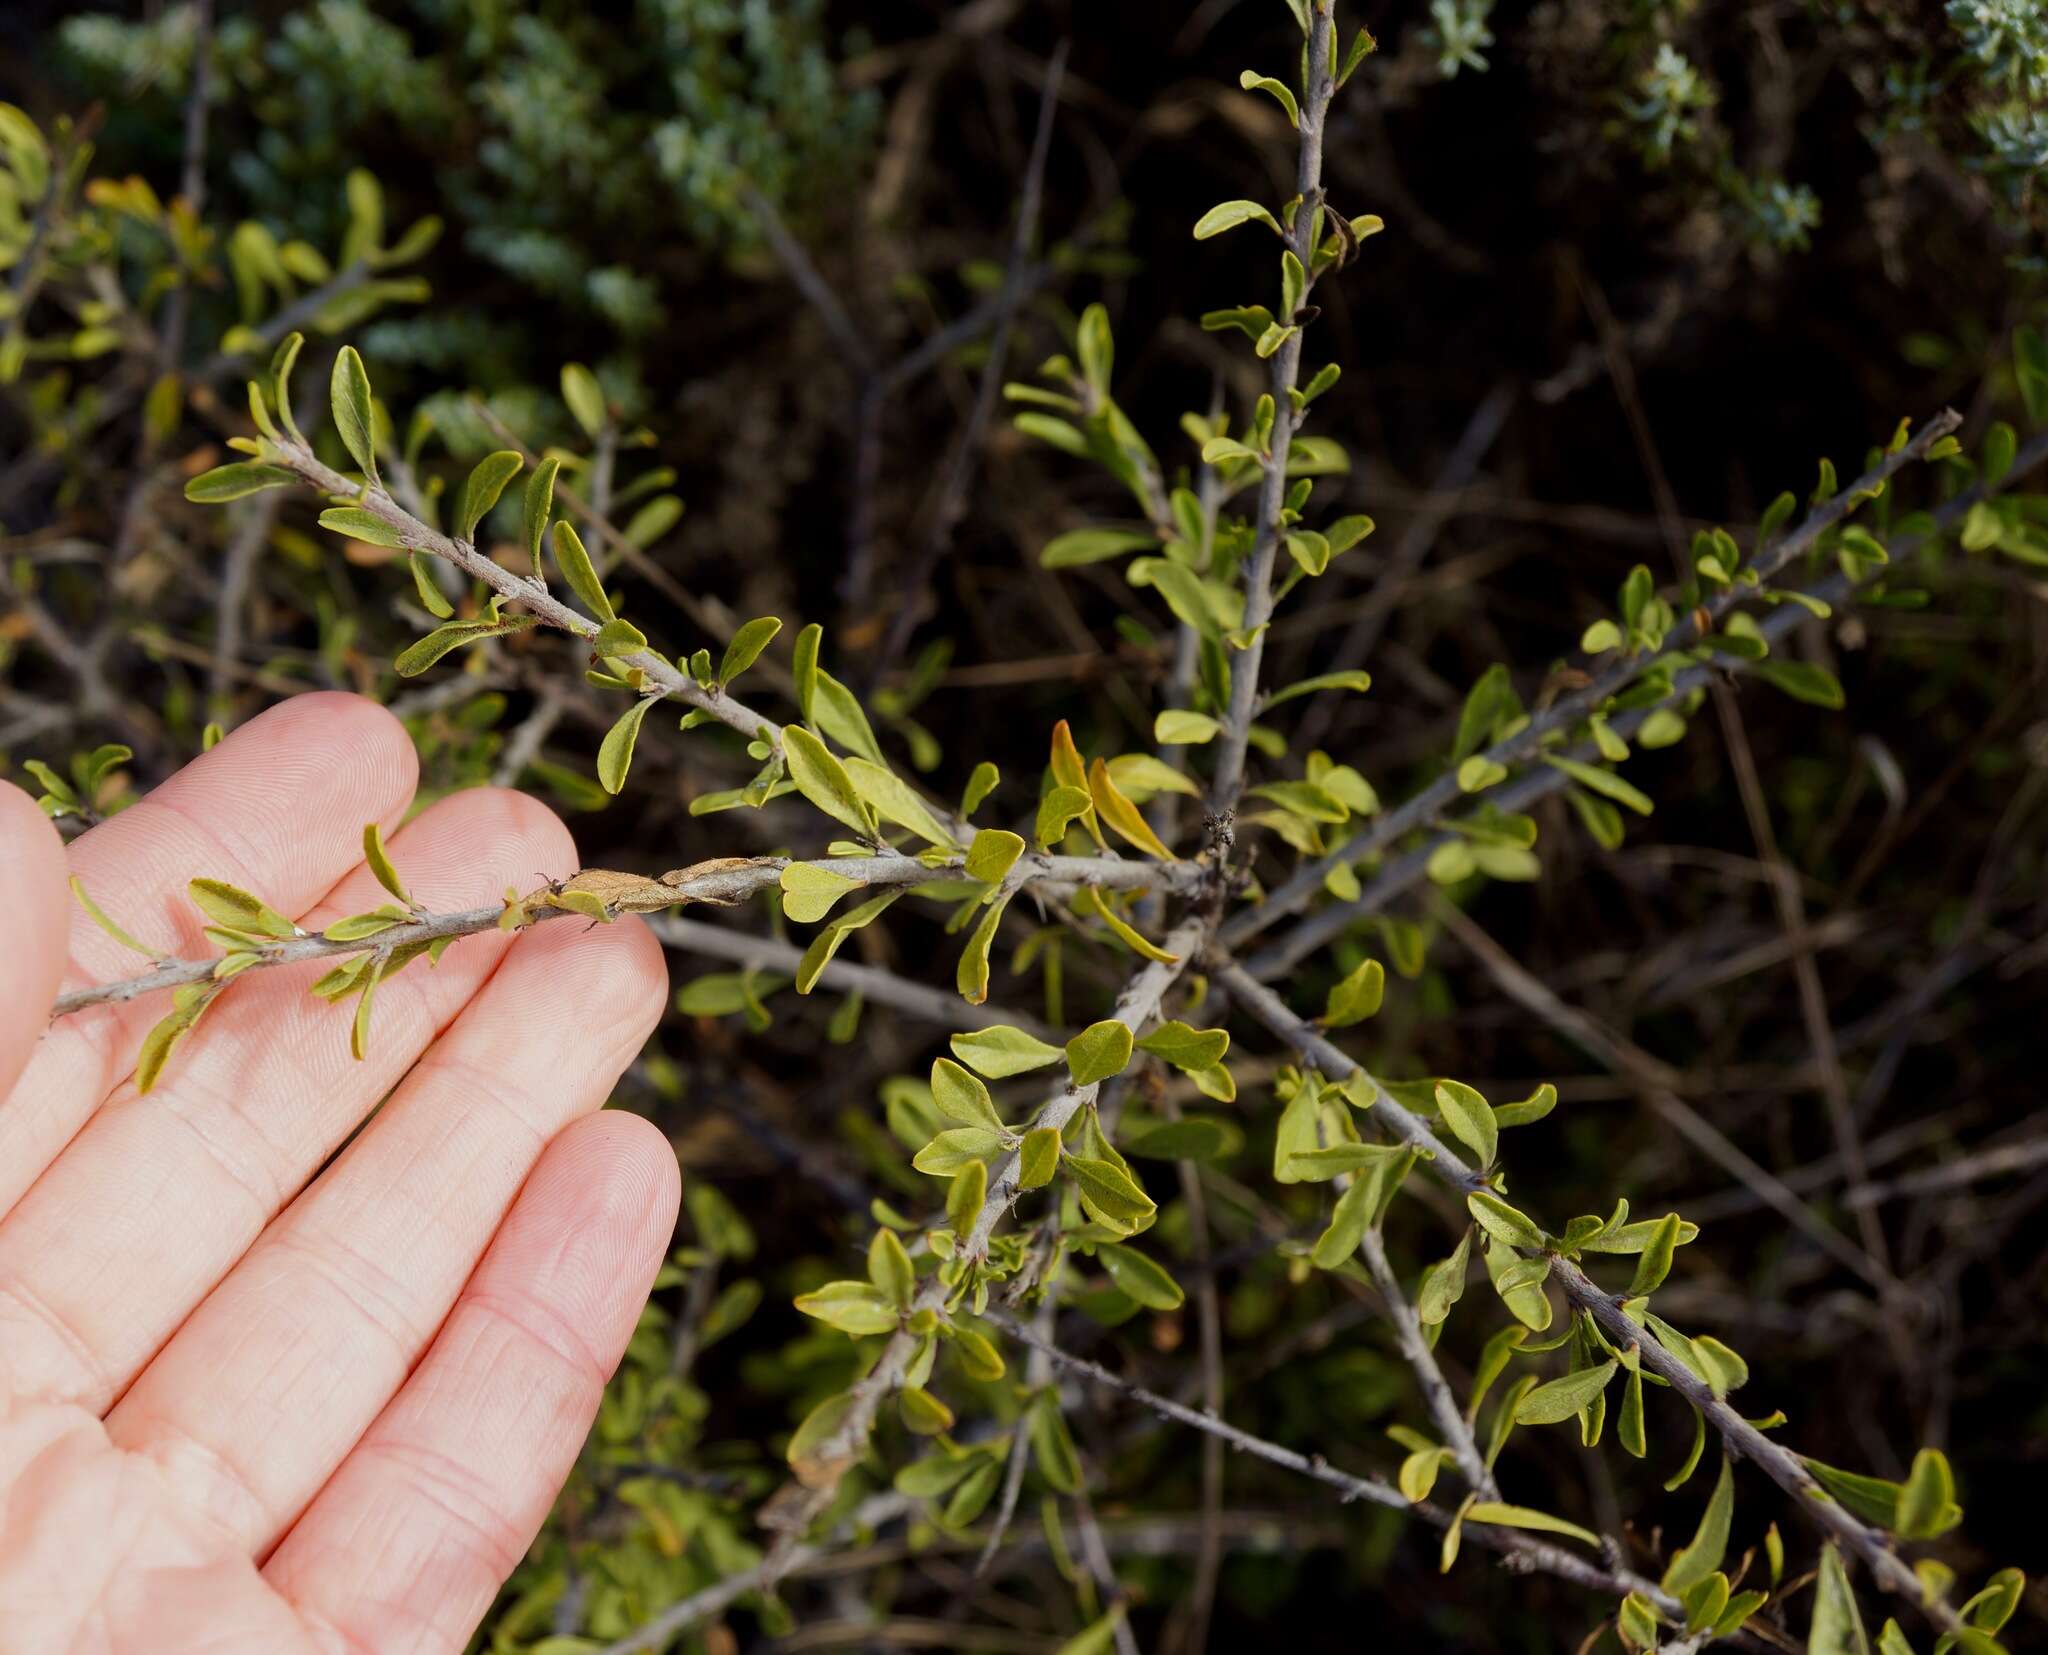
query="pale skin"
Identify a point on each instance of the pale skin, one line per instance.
(258, 1396)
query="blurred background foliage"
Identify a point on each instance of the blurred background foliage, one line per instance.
(1646, 262)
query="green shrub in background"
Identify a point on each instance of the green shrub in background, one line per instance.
(1164, 942)
(557, 134)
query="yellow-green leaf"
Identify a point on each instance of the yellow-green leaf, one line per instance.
(354, 417)
(823, 780)
(1098, 1052)
(480, 490)
(1121, 814)
(579, 572)
(615, 753)
(809, 891)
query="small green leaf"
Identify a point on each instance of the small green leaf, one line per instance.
(359, 1026)
(618, 638)
(1187, 1047)
(1079, 546)
(1443, 1284)
(854, 1307)
(890, 1269)
(417, 657)
(1252, 81)
(1502, 1221)
(1928, 1497)
(1095, 347)
(233, 482)
(809, 891)
(895, 800)
(1470, 1118)
(1654, 1264)
(358, 926)
(579, 572)
(980, 784)
(746, 646)
(480, 491)
(354, 417)
(235, 908)
(539, 506)
(99, 917)
(1628, 1428)
(1098, 1052)
(1039, 1158)
(923, 1414)
(953, 1149)
(1228, 215)
(1001, 1051)
(823, 780)
(1837, 1627)
(1181, 728)
(1604, 782)
(362, 525)
(585, 397)
(1357, 997)
(1057, 811)
(992, 855)
(1052, 1445)
(164, 1037)
(615, 754)
(1564, 1398)
(1989, 1609)
(815, 1454)
(432, 600)
(1109, 1194)
(380, 864)
(966, 1196)
(971, 976)
(1803, 682)
(962, 1098)
(1139, 1278)
(1522, 1517)
(1694, 1563)
(1359, 682)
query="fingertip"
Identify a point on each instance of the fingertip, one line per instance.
(505, 828)
(351, 733)
(625, 1178)
(642, 966)
(605, 983)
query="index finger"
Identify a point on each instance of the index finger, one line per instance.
(278, 808)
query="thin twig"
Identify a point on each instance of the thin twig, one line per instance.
(700, 1606)
(884, 988)
(1654, 1081)
(951, 502)
(1529, 1554)
(799, 1505)
(1285, 370)
(1522, 791)
(1433, 511)
(231, 608)
(1738, 1436)
(720, 889)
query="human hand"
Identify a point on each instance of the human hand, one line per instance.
(242, 1407)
